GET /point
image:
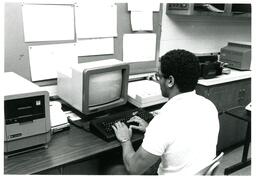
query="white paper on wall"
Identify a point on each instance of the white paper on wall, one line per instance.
(49, 1)
(143, 5)
(96, 20)
(139, 47)
(48, 22)
(142, 20)
(46, 59)
(89, 47)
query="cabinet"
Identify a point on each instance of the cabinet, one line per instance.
(226, 96)
(206, 9)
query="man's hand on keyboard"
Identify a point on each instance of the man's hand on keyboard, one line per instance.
(122, 132)
(142, 124)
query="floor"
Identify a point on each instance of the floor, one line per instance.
(231, 158)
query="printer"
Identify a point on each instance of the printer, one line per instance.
(210, 67)
(26, 113)
(237, 55)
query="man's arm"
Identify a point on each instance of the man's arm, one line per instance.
(137, 162)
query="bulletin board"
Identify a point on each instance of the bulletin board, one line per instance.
(16, 57)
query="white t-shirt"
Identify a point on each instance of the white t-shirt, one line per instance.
(184, 134)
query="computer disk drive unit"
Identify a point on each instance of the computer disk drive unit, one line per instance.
(26, 113)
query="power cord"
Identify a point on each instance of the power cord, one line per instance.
(240, 106)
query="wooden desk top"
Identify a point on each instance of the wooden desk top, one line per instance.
(65, 147)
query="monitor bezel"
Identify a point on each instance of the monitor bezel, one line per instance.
(97, 70)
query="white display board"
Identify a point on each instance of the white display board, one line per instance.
(46, 59)
(48, 22)
(96, 20)
(144, 5)
(89, 47)
(142, 21)
(139, 47)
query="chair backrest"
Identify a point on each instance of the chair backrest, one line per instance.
(212, 167)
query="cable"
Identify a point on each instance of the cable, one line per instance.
(240, 106)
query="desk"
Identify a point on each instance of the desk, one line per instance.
(226, 92)
(241, 114)
(64, 148)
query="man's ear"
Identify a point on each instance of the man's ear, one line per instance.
(170, 81)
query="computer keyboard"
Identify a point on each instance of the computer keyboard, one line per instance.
(103, 127)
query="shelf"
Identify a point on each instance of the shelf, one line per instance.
(200, 9)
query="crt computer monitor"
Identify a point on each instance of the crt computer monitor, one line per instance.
(94, 86)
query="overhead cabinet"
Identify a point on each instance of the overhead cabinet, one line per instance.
(206, 9)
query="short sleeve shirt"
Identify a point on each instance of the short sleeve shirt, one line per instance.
(184, 134)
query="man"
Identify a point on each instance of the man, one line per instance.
(184, 134)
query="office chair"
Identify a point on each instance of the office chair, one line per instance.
(212, 167)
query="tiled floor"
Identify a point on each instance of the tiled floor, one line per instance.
(232, 158)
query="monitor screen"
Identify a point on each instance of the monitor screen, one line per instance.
(104, 87)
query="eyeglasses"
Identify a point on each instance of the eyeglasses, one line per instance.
(158, 76)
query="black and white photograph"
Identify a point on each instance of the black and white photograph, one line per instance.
(112, 88)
